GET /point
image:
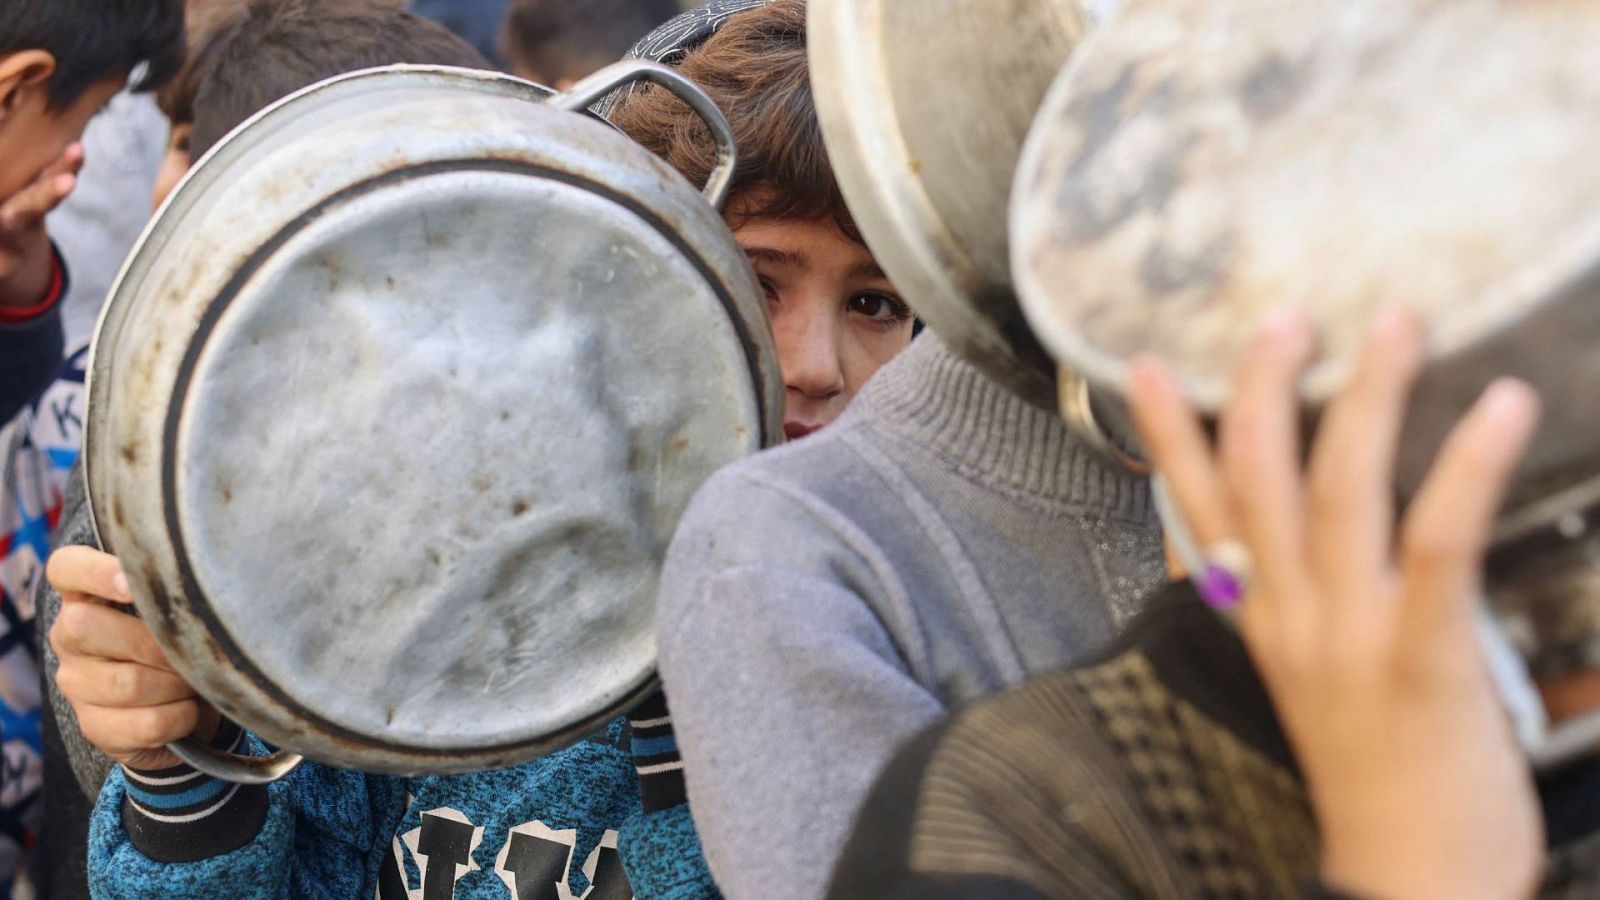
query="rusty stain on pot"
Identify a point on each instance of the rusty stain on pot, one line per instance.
(218, 655)
(163, 604)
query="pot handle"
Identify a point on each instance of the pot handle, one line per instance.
(592, 89)
(233, 767)
(1077, 410)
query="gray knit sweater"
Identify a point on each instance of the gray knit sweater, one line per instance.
(825, 601)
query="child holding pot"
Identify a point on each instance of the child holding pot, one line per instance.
(162, 829)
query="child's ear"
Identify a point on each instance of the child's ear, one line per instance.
(20, 72)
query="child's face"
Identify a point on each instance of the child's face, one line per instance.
(32, 135)
(174, 165)
(835, 315)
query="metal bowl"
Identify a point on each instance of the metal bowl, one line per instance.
(396, 406)
(1200, 163)
(924, 107)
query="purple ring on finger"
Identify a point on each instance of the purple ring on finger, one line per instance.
(1219, 588)
(1225, 579)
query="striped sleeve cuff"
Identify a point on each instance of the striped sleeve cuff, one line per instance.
(180, 815)
(655, 755)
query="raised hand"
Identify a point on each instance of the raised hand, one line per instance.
(1365, 635)
(24, 246)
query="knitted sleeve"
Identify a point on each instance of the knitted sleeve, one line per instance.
(787, 693)
(318, 833)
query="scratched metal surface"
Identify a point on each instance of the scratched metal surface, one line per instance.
(439, 402)
(924, 123)
(1202, 161)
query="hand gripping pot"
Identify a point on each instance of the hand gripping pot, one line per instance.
(397, 403)
(1202, 161)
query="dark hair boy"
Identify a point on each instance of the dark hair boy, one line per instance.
(60, 61)
(250, 53)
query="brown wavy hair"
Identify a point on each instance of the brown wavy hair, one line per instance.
(755, 70)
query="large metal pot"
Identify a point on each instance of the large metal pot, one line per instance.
(924, 106)
(1199, 163)
(397, 403)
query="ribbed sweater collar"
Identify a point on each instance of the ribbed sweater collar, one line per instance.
(936, 399)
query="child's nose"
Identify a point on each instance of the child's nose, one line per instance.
(809, 354)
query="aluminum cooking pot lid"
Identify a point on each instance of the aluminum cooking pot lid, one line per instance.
(429, 436)
(1203, 161)
(924, 124)
(1199, 163)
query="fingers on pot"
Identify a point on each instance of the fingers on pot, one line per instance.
(1449, 524)
(1259, 435)
(1172, 438)
(81, 573)
(123, 732)
(1351, 476)
(123, 685)
(101, 632)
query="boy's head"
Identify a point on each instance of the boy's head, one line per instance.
(557, 42)
(246, 54)
(61, 60)
(835, 315)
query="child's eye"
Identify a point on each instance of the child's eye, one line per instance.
(768, 288)
(880, 307)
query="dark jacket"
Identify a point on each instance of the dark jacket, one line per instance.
(30, 353)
